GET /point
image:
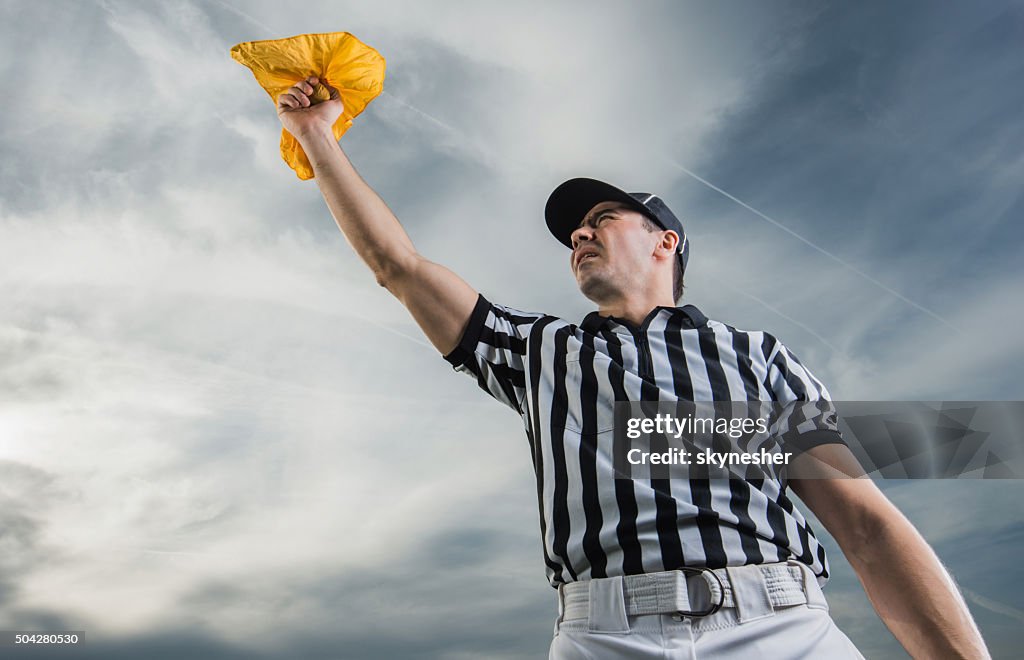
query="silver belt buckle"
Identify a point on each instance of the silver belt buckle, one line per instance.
(721, 592)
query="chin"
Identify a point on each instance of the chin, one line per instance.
(595, 288)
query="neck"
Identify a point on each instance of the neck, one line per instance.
(636, 308)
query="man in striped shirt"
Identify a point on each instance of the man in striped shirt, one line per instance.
(651, 567)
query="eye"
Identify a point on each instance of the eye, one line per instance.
(596, 221)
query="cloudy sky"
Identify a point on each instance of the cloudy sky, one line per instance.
(219, 438)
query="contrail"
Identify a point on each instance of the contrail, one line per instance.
(993, 605)
(385, 327)
(785, 316)
(185, 553)
(244, 15)
(822, 250)
(475, 148)
(423, 113)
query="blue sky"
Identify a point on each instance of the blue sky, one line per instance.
(220, 438)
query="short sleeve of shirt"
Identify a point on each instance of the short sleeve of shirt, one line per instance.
(808, 417)
(493, 350)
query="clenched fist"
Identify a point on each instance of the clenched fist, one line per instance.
(309, 106)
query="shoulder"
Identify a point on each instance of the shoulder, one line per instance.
(485, 305)
(522, 320)
(768, 344)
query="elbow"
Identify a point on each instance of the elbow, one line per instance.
(387, 279)
(862, 540)
(875, 534)
(391, 273)
(383, 276)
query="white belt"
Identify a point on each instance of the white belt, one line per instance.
(753, 590)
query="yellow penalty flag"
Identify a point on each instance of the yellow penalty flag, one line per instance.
(336, 58)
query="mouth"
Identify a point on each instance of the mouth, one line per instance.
(584, 255)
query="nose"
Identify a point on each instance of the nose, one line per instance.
(580, 234)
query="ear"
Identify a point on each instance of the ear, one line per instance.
(666, 247)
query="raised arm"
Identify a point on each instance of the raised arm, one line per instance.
(438, 299)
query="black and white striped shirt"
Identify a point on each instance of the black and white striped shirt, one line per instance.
(564, 379)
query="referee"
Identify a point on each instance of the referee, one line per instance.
(656, 567)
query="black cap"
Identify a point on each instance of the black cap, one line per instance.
(570, 202)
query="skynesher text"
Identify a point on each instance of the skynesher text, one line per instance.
(708, 457)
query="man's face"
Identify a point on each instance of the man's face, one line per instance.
(611, 251)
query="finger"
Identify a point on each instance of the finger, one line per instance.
(300, 96)
(304, 86)
(287, 101)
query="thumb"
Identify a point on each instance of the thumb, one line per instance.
(331, 91)
(322, 90)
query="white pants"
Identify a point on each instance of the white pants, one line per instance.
(751, 628)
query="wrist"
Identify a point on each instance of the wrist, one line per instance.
(315, 134)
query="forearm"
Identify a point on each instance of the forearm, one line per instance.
(438, 299)
(367, 223)
(914, 594)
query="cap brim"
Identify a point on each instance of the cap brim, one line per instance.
(573, 199)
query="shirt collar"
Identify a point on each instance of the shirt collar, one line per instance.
(690, 315)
